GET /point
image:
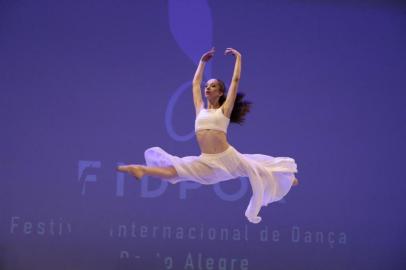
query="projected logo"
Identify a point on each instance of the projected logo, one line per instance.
(130, 230)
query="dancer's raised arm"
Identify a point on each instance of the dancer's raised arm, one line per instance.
(197, 80)
(232, 91)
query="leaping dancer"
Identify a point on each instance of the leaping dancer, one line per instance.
(270, 177)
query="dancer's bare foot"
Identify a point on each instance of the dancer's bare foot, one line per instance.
(295, 182)
(135, 170)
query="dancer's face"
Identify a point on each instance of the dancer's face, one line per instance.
(212, 90)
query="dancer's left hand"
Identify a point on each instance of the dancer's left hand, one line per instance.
(232, 51)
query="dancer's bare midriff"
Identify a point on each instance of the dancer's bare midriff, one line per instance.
(212, 141)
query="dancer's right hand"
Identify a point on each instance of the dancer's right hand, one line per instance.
(208, 55)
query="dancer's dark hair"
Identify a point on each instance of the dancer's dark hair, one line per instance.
(241, 106)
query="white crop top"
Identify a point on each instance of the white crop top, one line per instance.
(211, 119)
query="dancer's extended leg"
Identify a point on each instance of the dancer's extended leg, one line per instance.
(138, 171)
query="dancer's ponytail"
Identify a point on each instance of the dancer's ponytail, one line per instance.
(241, 106)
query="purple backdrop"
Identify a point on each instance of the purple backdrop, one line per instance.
(88, 85)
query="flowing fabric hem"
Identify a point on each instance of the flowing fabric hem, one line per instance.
(271, 178)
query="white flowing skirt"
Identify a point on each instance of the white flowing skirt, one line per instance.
(270, 177)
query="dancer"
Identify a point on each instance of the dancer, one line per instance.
(270, 177)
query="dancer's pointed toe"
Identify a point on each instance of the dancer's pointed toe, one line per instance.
(135, 170)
